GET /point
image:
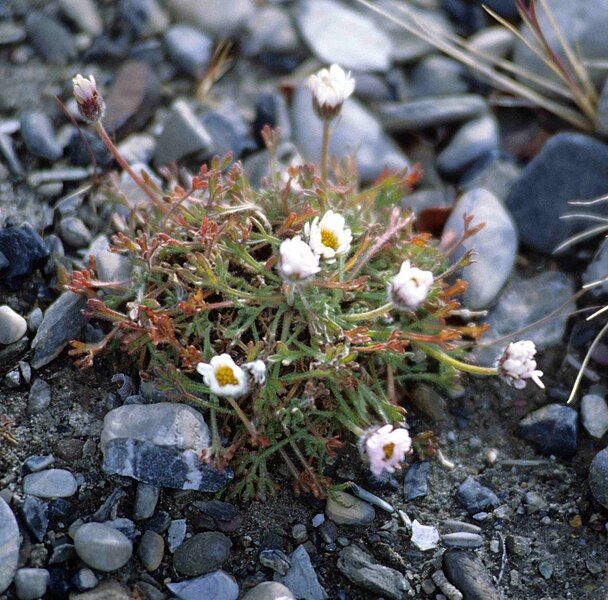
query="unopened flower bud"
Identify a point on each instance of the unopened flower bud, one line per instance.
(297, 261)
(330, 88)
(517, 364)
(410, 287)
(90, 102)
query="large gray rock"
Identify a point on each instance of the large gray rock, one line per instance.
(160, 444)
(355, 132)
(51, 483)
(495, 246)
(344, 509)
(337, 34)
(216, 17)
(552, 429)
(218, 585)
(598, 479)
(466, 571)
(9, 545)
(301, 578)
(102, 547)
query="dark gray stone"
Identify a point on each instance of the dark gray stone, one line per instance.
(226, 516)
(552, 429)
(466, 571)
(34, 514)
(415, 482)
(38, 463)
(202, 553)
(39, 136)
(39, 398)
(143, 17)
(598, 477)
(301, 578)
(151, 550)
(9, 545)
(51, 40)
(438, 75)
(188, 49)
(146, 498)
(217, 18)
(24, 251)
(475, 497)
(84, 14)
(344, 509)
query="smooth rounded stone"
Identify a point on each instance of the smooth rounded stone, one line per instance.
(146, 498)
(39, 136)
(356, 132)
(456, 526)
(550, 181)
(218, 585)
(495, 246)
(552, 429)
(217, 18)
(364, 571)
(52, 483)
(598, 478)
(74, 232)
(472, 143)
(102, 547)
(496, 176)
(63, 321)
(183, 134)
(39, 398)
(269, 30)
(34, 319)
(594, 415)
(84, 14)
(112, 267)
(144, 17)
(438, 75)
(51, 40)
(202, 553)
(33, 513)
(36, 463)
(84, 579)
(106, 590)
(31, 584)
(496, 41)
(415, 482)
(9, 545)
(461, 539)
(299, 533)
(468, 574)
(337, 34)
(151, 550)
(188, 49)
(476, 497)
(344, 509)
(11, 33)
(12, 325)
(301, 578)
(269, 590)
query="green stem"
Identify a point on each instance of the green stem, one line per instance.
(325, 150)
(454, 362)
(370, 314)
(248, 424)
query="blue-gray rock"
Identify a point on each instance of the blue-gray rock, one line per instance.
(146, 498)
(228, 132)
(51, 40)
(84, 579)
(552, 429)
(151, 550)
(270, 30)
(63, 321)
(84, 14)
(466, 571)
(571, 166)
(271, 109)
(160, 444)
(39, 398)
(360, 568)
(601, 116)
(473, 143)
(176, 534)
(125, 526)
(461, 539)
(275, 559)
(144, 17)
(438, 75)
(213, 585)
(415, 482)
(430, 112)
(496, 176)
(106, 590)
(218, 18)
(102, 547)
(301, 578)
(33, 511)
(9, 545)
(597, 270)
(80, 151)
(495, 245)
(74, 232)
(269, 590)
(52, 483)
(344, 509)
(24, 251)
(496, 41)
(36, 463)
(202, 553)
(39, 136)
(337, 34)
(12, 325)
(598, 478)
(31, 584)
(475, 497)
(188, 49)
(7, 152)
(594, 414)
(356, 132)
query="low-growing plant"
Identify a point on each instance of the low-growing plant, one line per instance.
(293, 314)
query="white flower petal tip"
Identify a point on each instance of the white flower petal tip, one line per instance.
(329, 237)
(223, 376)
(410, 287)
(330, 88)
(385, 448)
(516, 365)
(257, 370)
(297, 262)
(90, 102)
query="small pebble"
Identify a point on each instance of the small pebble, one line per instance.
(12, 325)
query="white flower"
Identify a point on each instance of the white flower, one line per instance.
(516, 364)
(223, 376)
(330, 88)
(297, 261)
(386, 448)
(329, 237)
(409, 287)
(257, 370)
(90, 102)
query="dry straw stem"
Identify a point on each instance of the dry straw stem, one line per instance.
(459, 49)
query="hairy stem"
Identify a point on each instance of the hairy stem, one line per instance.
(369, 314)
(454, 362)
(325, 150)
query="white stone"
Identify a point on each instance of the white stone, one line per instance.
(594, 412)
(12, 325)
(424, 537)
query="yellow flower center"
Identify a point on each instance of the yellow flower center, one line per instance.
(329, 239)
(225, 376)
(388, 450)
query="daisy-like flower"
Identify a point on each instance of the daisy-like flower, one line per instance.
(330, 88)
(257, 370)
(385, 448)
(410, 287)
(297, 261)
(90, 102)
(516, 364)
(329, 237)
(223, 376)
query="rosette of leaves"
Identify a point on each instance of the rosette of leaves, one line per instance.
(205, 282)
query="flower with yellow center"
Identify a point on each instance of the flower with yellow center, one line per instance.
(385, 448)
(223, 376)
(329, 237)
(410, 287)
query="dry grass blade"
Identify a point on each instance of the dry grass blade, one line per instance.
(579, 237)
